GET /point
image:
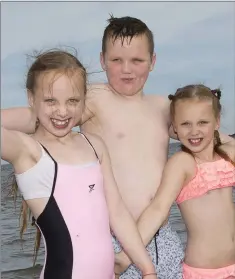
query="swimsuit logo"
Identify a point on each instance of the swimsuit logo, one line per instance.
(92, 187)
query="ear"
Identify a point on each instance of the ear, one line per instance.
(174, 127)
(153, 61)
(102, 61)
(30, 98)
(217, 123)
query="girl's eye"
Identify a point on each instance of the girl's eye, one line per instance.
(49, 101)
(73, 101)
(203, 122)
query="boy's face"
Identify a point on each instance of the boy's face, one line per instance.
(127, 64)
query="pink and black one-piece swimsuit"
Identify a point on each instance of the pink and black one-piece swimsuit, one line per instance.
(75, 222)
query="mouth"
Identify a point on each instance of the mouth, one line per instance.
(195, 142)
(127, 80)
(60, 124)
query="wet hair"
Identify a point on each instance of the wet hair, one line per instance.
(201, 92)
(126, 28)
(58, 62)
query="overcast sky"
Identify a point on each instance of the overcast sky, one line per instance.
(194, 42)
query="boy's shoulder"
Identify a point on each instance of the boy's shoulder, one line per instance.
(95, 88)
(159, 101)
(157, 97)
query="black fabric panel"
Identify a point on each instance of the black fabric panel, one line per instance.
(59, 260)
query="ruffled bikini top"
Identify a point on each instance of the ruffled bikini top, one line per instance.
(209, 176)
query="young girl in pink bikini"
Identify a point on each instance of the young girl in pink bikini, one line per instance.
(66, 179)
(200, 179)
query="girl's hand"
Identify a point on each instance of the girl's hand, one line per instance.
(122, 262)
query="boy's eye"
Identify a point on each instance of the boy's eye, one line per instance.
(138, 60)
(185, 124)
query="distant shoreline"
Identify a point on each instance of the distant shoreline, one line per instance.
(171, 143)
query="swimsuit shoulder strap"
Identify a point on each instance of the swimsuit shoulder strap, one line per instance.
(89, 144)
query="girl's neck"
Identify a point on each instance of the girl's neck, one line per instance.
(207, 155)
(43, 135)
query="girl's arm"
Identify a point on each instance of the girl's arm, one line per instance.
(121, 221)
(23, 119)
(173, 179)
(12, 146)
(19, 119)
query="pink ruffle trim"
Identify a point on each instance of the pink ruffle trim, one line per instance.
(210, 176)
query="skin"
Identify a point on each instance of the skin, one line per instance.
(66, 101)
(209, 219)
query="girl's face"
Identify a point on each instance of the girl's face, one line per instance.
(58, 101)
(195, 123)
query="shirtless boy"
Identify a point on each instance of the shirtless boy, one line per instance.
(135, 128)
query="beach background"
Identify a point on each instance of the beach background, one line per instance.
(194, 43)
(17, 254)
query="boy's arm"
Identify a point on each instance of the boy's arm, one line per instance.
(225, 138)
(229, 148)
(19, 119)
(166, 112)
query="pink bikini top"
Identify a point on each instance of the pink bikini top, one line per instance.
(209, 176)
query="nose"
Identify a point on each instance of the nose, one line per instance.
(194, 130)
(126, 67)
(62, 111)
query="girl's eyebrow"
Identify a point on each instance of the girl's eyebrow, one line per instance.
(49, 97)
